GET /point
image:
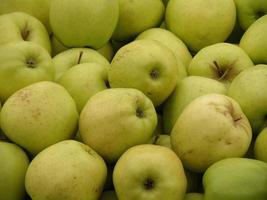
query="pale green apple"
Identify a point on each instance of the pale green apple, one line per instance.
(75, 56)
(136, 16)
(248, 89)
(84, 23)
(236, 179)
(222, 62)
(201, 23)
(146, 65)
(66, 170)
(83, 81)
(109, 195)
(210, 128)
(248, 11)
(21, 64)
(39, 115)
(152, 172)
(254, 41)
(107, 51)
(56, 46)
(187, 90)
(19, 26)
(163, 140)
(194, 196)
(14, 163)
(260, 150)
(114, 120)
(36, 8)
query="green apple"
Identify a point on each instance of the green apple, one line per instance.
(75, 56)
(146, 65)
(36, 8)
(203, 22)
(107, 51)
(19, 26)
(66, 170)
(248, 11)
(187, 90)
(114, 120)
(152, 172)
(236, 179)
(260, 150)
(56, 46)
(137, 16)
(210, 128)
(109, 195)
(21, 64)
(84, 22)
(194, 196)
(222, 62)
(163, 140)
(254, 41)
(83, 81)
(39, 115)
(14, 163)
(248, 90)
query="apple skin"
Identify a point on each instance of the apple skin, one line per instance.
(114, 120)
(187, 90)
(221, 61)
(260, 151)
(75, 56)
(39, 115)
(247, 89)
(83, 81)
(152, 172)
(254, 41)
(137, 16)
(194, 196)
(84, 23)
(14, 164)
(219, 130)
(204, 22)
(21, 64)
(163, 140)
(109, 195)
(248, 11)
(66, 170)
(107, 51)
(236, 179)
(154, 72)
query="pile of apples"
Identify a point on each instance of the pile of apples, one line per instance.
(133, 100)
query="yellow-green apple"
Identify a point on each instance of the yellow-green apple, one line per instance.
(248, 90)
(254, 41)
(260, 150)
(114, 120)
(210, 128)
(83, 81)
(109, 195)
(194, 196)
(236, 179)
(56, 46)
(19, 26)
(203, 22)
(14, 163)
(146, 65)
(137, 16)
(21, 64)
(66, 170)
(163, 140)
(222, 62)
(39, 115)
(187, 90)
(152, 172)
(107, 51)
(84, 22)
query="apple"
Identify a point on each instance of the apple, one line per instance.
(187, 90)
(254, 41)
(107, 51)
(194, 196)
(248, 11)
(66, 170)
(83, 81)
(260, 150)
(137, 16)
(222, 62)
(39, 115)
(236, 179)
(84, 22)
(210, 128)
(203, 22)
(247, 89)
(21, 64)
(114, 120)
(56, 46)
(19, 26)
(14, 163)
(154, 72)
(152, 172)
(163, 140)
(109, 195)
(75, 56)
